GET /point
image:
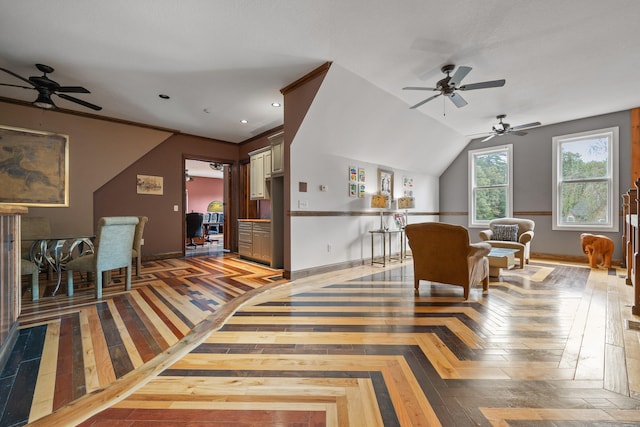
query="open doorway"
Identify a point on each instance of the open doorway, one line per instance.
(205, 194)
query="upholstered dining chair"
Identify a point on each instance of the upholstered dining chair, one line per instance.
(136, 251)
(442, 253)
(113, 248)
(31, 269)
(34, 227)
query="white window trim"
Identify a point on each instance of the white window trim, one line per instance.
(613, 134)
(483, 151)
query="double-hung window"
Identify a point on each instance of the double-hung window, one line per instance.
(585, 181)
(490, 184)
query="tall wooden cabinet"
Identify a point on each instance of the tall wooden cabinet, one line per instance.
(259, 239)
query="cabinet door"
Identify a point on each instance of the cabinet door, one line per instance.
(277, 158)
(267, 164)
(257, 176)
(262, 241)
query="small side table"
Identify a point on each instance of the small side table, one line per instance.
(386, 240)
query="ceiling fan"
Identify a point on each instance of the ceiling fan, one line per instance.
(450, 84)
(47, 87)
(504, 128)
(216, 166)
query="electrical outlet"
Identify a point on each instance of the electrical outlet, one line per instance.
(176, 208)
(142, 241)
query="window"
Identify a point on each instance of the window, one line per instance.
(490, 184)
(585, 181)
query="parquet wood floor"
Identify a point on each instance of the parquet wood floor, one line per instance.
(219, 342)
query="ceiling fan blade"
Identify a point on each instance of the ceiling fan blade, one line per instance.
(488, 138)
(424, 102)
(23, 87)
(418, 88)
(79, 101)
(528, 125)
(17, 76)
(517, 132)
(72, 89)
(460, 74)
(457, 99)
(483, 85)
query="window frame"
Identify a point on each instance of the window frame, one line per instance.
(612, 178)
(472, 154)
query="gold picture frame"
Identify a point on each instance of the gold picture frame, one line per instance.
(385, 183)
(34, 168)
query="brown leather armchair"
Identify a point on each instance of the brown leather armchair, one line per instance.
(442, 253)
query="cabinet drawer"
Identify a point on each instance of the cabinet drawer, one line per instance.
(263, 227)
(245, 233)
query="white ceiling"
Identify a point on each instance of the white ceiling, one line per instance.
(562, 59)
(201, 168)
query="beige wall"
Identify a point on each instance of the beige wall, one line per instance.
(98, 150)
(165, 230)
(105, 158)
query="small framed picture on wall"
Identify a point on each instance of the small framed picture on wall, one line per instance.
(385, 182)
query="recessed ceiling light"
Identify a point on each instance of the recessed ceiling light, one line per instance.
(244, 121)
(275, 104)
(163, 96)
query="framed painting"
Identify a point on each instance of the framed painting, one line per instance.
(149, 184)
(34, 168)
(385, 183)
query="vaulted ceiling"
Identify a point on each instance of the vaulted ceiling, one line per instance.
(221, 62)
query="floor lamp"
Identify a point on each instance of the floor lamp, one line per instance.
(406, 203)
(380, 201)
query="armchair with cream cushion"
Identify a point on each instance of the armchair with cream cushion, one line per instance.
(442, 253)
(511, 233)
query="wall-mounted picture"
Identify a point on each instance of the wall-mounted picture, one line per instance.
(361, 175)
(385, 182)
(148, 184)
(362, 190)
(407, 186)
(353, 173)
(34, 167)
(353, 189)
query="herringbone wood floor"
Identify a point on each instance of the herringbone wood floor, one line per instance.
(213, 341)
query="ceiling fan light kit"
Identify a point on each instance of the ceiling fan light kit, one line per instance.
(47, 87)
(45, 102)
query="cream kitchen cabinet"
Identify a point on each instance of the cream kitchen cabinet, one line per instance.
(277, 154)
(258, 171)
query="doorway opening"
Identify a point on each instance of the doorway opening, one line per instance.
(207, 194)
